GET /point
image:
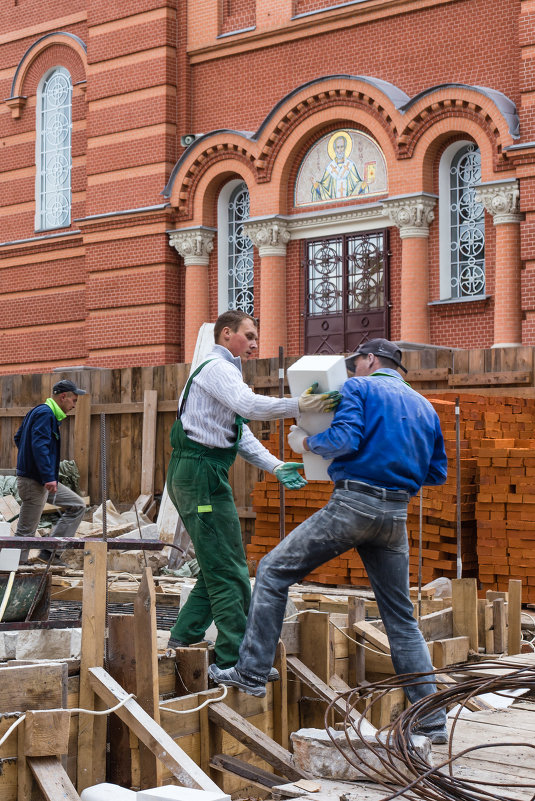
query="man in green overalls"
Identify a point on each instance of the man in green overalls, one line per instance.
(209, 431)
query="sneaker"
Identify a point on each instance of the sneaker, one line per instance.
(230, 677)
(273, 675)
(437, 736)
(172, 643)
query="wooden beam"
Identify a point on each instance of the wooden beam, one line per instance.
(464, 603)
(437, 625)
(147, 684)
(490, 379)
(52, 779)
(46, 733)
(183, 768)
(356, 610)
(500, 625)
(82, 427)
(259, 743)
(30, 686)
(91, 729)
(192, 668)
(243, 769)
(280, 698)
(324, 691)
(148, 454)
(514, 614)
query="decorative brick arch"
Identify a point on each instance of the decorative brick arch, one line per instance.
(54, 49)
(460, 109)
(204, 167)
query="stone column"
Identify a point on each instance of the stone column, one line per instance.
(502, 200)
(195, 246)
(412, 214)
(271, 236)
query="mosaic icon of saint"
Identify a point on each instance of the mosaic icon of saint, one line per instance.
(341, 178)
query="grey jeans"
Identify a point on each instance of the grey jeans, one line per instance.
(377, 529)
(34, 496)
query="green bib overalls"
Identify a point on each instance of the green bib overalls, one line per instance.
(197, 482)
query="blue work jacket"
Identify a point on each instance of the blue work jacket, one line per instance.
(38, 441)
(385, 434)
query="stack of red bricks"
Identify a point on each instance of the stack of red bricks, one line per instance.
(506, 514)
(497, 501)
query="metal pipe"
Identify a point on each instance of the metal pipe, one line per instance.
(282, 492)
(458, 483)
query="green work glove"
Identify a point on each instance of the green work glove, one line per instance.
(288, 475)
(309, 401)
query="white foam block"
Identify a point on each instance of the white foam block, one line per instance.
(173, 793)
(107, 792)
(330, 373)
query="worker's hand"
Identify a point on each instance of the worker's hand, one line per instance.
(296, 439)
(309, 401)
(51, 486)
(288, 475)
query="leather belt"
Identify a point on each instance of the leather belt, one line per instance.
(376, 492)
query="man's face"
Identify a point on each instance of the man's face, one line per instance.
(66, 401)
(340, 148)
(365, 364)
(244, 341)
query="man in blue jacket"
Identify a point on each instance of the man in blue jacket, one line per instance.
(38, 442)
(385, 442)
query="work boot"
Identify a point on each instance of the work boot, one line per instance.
(44, 556)
(230, 677)
(437, 736)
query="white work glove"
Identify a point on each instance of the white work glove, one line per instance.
(296, 439)
(309, 401)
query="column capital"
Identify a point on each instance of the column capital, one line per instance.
(412, 214)
(501, 199)
(270, 235)
(193, 244)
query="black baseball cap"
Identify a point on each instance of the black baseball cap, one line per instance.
(67, 386)
(379, 347)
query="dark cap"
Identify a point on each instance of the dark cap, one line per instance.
(379, 347)
(67, 386)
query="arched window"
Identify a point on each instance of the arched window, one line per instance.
(235, 250)
(53, 156)
(462, 223)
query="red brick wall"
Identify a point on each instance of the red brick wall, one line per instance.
(237, 15)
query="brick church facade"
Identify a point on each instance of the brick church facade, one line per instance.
(341, 170)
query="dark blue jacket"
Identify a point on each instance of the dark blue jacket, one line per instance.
(38, 442)
(385, 434)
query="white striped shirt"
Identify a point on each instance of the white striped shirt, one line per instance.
(217, 394)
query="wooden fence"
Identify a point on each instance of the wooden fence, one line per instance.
(140, 403)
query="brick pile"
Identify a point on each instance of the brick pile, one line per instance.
(497, 501)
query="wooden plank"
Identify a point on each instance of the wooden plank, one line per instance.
(490, 379)
(46, 733)
(484, 625)
(514, 616)
(122, 667)
(32, 687)
(317, 644)
(437, 625)
(450, 651)
(356, 610)
(243, 769)
(324, 691)
(92, 729)
(52, 779)
(147, 692)
(258, 742)
(148, 454)
(150, 733)
(82, 430)
(464, 603)
(432, 374)
(500, 625)
(24, 776)
(280, 698)
(192, 669)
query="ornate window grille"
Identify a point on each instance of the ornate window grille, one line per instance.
(240, 253)
(54, 111)
(467, 225)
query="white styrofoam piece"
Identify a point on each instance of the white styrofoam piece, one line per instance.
(107, 792)
(330, 373)
(9, 559)
(173, 793)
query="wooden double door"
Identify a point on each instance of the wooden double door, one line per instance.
(346, 291)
